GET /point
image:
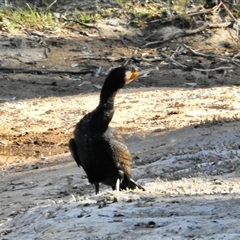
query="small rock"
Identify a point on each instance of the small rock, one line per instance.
(113, 22)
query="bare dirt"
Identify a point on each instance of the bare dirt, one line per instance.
(182, 128)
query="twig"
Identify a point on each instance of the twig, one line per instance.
(207, 25)
(196, 69)
(200, 12)
(198, 53)
(154, 32)
(23, 188)
(176, 51)
(215, 8)
(182, 33)
(175, 35)
(83, 24)
(110, 58)
(212, 69)
(88, 48)
(44, 71)
(82, 32)
(221, 4)
(94, 57)
(154, 59)
(236, 55)
(224, 58)
(48, 8)
(228, 11)
(124, 43)
(172, 60)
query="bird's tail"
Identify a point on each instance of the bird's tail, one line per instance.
(129, 183)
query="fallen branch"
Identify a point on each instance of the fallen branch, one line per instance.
(82, 32)
(23, 188)
(43, 71)
(83, 24)
(212, 69)
(224, 58)
(207, 25)
(196, 69)
(173, 61)
(198, 53)
(221, 4)
(116, 59)
(228, 11)
(146, 38)
(177, 51)
(94, 57)
(215, 8)
(190, 14)
(183, 33)
(175, 35)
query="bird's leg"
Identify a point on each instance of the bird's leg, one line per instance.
(96, 184)
(118, 185)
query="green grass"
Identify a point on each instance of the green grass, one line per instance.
(28, 18)
(138, 14)
(86, 17)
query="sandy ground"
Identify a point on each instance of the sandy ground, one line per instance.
(182, 129)
(185, 147)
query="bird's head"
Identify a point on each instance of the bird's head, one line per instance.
(120, 76)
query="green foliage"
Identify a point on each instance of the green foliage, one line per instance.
(121, 2)
(138, 14)
(107, 12)
(181, 7)
(86, 17)
(29, 17)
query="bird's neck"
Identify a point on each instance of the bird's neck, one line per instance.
(105, 110)
(107, 97)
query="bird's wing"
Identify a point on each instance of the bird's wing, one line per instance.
(73, 150)
(119, 151)
(122, 158)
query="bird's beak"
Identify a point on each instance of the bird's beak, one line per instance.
(130, 76)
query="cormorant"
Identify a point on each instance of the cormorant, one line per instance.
(98, 148)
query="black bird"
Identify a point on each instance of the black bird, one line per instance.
(98, 148)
